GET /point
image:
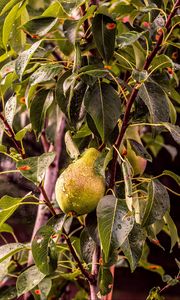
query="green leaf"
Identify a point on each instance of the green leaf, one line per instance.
(157, 204)
(59, 92)
(133, 245)
(38, 109)
(105, 280)
(8, 6)
(28, 279)
(114, 223)
(155, 99)
(172, 175)
(45, 287)
(174, 131)
(55, 10)
(34, 168)
(10, 109)
(40, 25)
(10, 249)
(172, 230)
(8, 24)
(6, 228)
(20, 134)
(44, 250)
(161, 61)
(24, 58)
(103, 104)
(45, 73)
(127, 175)
(8, 293)
(87, 245)
(104, 32)
(8, 205)
(128, 38)
(154, 294)
(140, 150)
(71, 147)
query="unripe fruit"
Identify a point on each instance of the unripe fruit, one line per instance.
(79, 188)
(138, 163)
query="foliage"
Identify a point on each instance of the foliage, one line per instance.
(79, 73)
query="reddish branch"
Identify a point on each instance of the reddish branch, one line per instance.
(134, 93)
(11, 134)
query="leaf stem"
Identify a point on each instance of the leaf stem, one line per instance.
(133, 96)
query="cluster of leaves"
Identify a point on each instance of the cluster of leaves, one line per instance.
(84, 61)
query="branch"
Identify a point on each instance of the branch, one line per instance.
(133, 95)
(90, 277)
(9, 131)
(168, 286)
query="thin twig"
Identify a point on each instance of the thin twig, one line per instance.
(9, 131)
(168, 286)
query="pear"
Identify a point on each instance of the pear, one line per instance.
(138, 163)
(79, 188)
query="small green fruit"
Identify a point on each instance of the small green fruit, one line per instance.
(79, 188)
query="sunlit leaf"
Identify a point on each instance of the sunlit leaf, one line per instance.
(40, 25)
(10, 109)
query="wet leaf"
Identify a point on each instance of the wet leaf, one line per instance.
(34, 168)
(40, 25)
(128, 38)
(133, 245)
(105, 280)
(10, 109)
(28, 279)
(44, 250)
(140, 150)
(158, 203)
(87, 245)
(114, 223)
(45, 73)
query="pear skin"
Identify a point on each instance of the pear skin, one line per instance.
(79, 188)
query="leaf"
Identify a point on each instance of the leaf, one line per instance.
(10, 109)
(44, 250)
(128, 38)
(103, 104)
(10, 249)
(59, 92)
(38, 109)
(173, 233)
(104, 32)
(127, 175)
(28, 279)
(158, 203)
(8, 205)
(45, 287)
(114, 223)
(154, 294)
(161, 61)
(6, 228)
(8, 292)
(172, 175)
(34, 168)
(8, 5)
(133, 245)
(20, 134)
(55, 10)
(105, 280)
(87, 246)
(174, 131)
(24, 58)
(71, 147)
(40, 25)
(45, 73)
(140, 150)
(8, 24)
(155, 99)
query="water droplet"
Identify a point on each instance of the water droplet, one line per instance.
(119, 226)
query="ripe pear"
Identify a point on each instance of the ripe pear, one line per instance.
(138, 163)
(79, 188)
